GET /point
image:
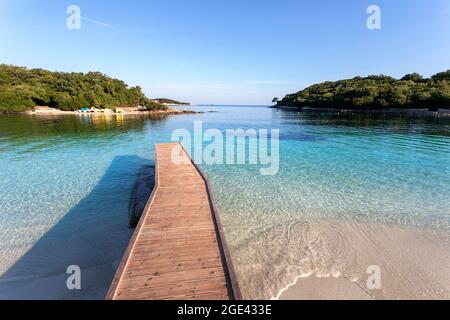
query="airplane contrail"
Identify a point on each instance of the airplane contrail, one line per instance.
(96, 22)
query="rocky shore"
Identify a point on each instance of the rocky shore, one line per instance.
(423, 112)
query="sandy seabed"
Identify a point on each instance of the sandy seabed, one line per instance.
(316, 260)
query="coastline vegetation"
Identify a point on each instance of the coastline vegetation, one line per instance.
(375, 92)
(170, 101)
(21, 89)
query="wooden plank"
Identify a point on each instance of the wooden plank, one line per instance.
(178, 250)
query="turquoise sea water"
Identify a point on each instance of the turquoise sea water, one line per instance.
(66, 184)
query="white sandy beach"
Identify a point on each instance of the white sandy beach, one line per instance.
(415, 264)
(126, 111)
(329, 259)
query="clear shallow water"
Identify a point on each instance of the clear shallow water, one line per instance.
(66, 184)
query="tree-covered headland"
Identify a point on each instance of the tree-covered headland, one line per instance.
(376, 92)
(171, 101)
(22, 89)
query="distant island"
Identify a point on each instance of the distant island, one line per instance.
(23, 89)
(413, 91)
(171, 102)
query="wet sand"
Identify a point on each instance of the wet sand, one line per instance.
(333, 261)
(414, 264)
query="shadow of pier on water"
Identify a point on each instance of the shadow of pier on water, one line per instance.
(92, 235)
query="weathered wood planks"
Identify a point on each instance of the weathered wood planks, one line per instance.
(178, 250)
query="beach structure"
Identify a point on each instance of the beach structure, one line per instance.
(178, 250)
(44, 110)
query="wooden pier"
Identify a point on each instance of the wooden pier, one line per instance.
(178, 250)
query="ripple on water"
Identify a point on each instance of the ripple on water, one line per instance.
(67, 182)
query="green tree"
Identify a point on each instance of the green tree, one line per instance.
(441, 76)
(375, 92)
(415, 77)
(22, 89)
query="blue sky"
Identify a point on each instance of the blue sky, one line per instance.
(228, 51)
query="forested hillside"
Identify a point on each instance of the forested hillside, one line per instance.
(170, 101)
(376, 92)
(22, 89)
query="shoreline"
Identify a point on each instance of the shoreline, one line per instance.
(391, 111)
(402, 254)
(56, 112)
(323, 288)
